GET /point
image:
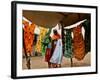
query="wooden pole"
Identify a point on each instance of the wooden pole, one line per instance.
(71, 62)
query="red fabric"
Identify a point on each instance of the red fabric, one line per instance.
(48, 55)
(49, 51)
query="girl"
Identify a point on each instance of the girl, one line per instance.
(48, 53)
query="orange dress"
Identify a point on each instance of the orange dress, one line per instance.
(78, 43)
(29, 37)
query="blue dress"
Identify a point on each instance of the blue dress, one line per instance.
(57, 54)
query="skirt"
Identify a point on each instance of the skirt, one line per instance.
(48, 55)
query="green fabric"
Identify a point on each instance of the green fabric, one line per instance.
(45, 42)
(68, 44)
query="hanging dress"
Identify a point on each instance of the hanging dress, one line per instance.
(78, 43)
(28, 37)
(57, 54)
(45, 42)
(41, 36)
(68, 43)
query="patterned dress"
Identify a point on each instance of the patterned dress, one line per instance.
(68, 44)
(41, 36)
(78, 43)
(28, 37)
(45, 42)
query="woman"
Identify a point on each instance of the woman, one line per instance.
(56, 50)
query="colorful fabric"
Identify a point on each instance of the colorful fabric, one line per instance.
(78, 43)
(48, 54)
(68, 44)
(53, 42)
(28, 37)
(41, 36)
(57, 54)
(55, 37)
(45, 42)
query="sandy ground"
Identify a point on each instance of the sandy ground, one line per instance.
(39, 62)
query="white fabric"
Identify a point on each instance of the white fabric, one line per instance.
(37, 30)
(57, 28)
(27, 20)
(57, 55)
(83, 33)
(75, 25)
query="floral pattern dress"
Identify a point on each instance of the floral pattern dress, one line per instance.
(41, 36)
(28, 37)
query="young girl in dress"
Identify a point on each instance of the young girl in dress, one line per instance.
(48, 53)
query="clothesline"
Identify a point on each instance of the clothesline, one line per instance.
(27, 20)
(67, 27)
(74, 25)
(37, 30)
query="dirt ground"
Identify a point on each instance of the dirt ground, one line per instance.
(39, 62)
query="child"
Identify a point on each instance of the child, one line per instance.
(48, 53)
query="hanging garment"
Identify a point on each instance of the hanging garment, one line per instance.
(78, 43)
(68, 43)
(46, 41)
(41, 36)
(58, 28)
(28, 37)
(87, 28)
(37, 30)
(57, 54)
